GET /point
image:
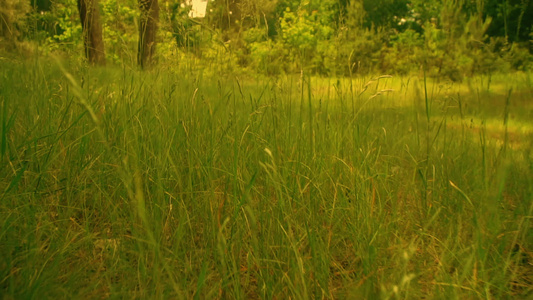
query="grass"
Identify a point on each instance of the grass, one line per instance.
(124, 184)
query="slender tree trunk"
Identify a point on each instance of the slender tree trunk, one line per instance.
(147, 32)
(92, 31)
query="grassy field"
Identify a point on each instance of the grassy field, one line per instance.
(163, 185)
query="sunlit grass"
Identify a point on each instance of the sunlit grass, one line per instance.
(119, 183)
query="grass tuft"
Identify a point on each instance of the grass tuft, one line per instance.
(120, 183)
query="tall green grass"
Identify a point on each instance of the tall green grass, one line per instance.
(126, 184)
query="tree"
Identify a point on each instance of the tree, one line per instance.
(512, 19)
(92, 31)
(384, 13)
(147, 32)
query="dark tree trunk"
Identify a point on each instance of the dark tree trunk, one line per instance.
(92, 31)
(147, 32)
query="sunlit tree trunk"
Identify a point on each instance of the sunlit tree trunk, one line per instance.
(92, 31)
(147, 32)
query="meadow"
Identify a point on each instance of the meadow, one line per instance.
(117, 183)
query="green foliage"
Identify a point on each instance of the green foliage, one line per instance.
(184, 30)
(304, 33)
(13, 22)
(519, 57)
(384, 13)
(360, 50)
(60, 28)
(450, 38)
(297, 31)
(119, 28)
(268, 57)
(405, 53)
(513, 19)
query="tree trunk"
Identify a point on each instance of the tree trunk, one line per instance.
(147, 32)
(92, 31)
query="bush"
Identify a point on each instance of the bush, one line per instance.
(403, 56)
(12, 26)
(269, 57)
(519, 57)
(119, 30)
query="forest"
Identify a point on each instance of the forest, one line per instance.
(266, 149)
(330, 37)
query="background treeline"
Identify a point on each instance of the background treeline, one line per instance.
(451, 38)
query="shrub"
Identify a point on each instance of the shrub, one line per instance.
(12, 25)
